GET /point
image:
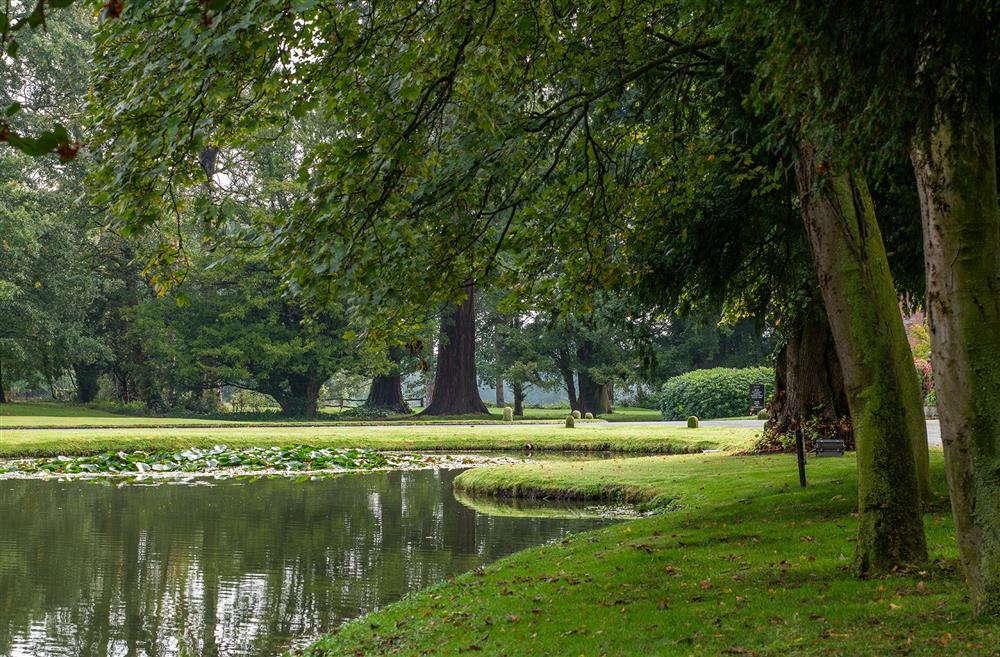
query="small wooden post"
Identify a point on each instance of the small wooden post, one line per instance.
(800, 454)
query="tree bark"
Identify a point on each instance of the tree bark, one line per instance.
(879, 376)
(809, 386)
(387, 390)
(86, 382)
(955, 165)
(567, 374)
(301, 398)
(3, 390)
(456, 388)
(593, 396)
(519, 395)
(501, 402)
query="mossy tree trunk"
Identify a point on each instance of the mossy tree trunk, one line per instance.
(3, 391)
(955, 165)
(593, 397)
(456, 388)
(879, 376)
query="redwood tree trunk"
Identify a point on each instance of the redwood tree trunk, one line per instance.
(387, 390)
(956, 176)
(809, 387)
(879, 376)
(456, 389)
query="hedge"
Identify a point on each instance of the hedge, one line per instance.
(718, 392)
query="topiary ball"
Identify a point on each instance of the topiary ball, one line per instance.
(576, 414)
(570, 422)
(588, 416)
(762, 414)
(693, 422)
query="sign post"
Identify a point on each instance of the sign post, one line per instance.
(758, 394)
(800, 456)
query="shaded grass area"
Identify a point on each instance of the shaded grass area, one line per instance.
(69, 415)
(743, 563)
(598, 436)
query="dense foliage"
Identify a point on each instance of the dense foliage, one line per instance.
(716, 392)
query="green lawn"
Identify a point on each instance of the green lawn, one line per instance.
(741, 561)
(596, 436)
(66, 415)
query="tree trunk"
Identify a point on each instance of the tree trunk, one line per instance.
(879, 376)
(501, 402)
(594, 396)
(387, 390)
(86, 382)
(519, 395)
(456, 389)
(570, 383)
(956, 177)
(809, 387)
(301, 398)
(3, 391)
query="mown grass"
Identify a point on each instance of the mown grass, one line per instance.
(744, 562)
(597, 436)
(69, 415)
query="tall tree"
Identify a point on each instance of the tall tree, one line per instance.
(456, 386)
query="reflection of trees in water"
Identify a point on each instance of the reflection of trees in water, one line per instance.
(232, 568)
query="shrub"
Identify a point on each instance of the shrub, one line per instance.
(588, 416)
(693, 422)
(570, 422)
(576, 415)
(762, 414)
(508, 414)
(717, 392)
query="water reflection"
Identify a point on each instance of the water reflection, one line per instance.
(233, 568)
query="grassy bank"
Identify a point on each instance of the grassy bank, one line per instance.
(590, 437)
(743, 563)
(62, 415)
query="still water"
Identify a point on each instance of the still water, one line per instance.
(229, 568)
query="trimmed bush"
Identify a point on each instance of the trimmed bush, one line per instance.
(570, 422)
(588, 416)
(693, 422)
(576, 415)
(717, 392)
(508, 414)
(762, 414)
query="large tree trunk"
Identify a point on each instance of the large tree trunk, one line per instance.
(808, 387)
(594, 397)
(882, 389)
(501, 402)
(956, 177)
(456, 389)
(86, 382)
(387, 390)
(301, 398)
(3, 391)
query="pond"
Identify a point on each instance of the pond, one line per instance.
(233, 568)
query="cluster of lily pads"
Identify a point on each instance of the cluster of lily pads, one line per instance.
(299, 458)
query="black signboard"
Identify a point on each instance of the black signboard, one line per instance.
(758, 396)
